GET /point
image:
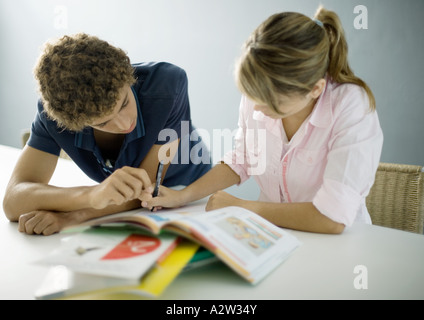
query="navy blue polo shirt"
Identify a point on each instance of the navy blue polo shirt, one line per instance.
(161, 94)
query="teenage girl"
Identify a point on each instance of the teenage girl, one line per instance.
(323, 138)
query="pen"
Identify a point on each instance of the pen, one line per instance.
(158, 179)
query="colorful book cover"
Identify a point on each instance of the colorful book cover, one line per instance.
(62, 283)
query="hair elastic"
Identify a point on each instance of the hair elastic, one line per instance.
(318, 22)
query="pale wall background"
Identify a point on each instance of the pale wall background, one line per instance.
(204, 37)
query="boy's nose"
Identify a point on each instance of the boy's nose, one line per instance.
(123, 123)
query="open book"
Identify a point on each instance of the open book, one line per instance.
(246, 242)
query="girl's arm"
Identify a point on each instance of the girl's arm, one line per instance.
(298, 216)
(219, 177)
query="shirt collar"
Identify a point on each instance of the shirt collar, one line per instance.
(85, 138)
(322, 115)
(139, 130)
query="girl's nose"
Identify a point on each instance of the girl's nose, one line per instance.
(258, 107)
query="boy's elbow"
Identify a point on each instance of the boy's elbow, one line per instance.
(8, 210)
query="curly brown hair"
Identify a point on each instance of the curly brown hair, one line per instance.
(80, 78)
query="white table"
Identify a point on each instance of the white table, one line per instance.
(322, 268)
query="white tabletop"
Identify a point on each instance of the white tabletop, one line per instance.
(365, 262)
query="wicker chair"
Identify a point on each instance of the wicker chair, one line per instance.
(396, 199)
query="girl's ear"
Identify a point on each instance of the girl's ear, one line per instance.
(317, 89)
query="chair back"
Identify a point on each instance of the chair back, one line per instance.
(396, 198)
(25, 137)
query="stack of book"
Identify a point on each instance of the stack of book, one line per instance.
(140, 252)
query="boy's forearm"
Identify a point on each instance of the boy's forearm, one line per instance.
(79, 216)
(47, 223)
(27, 197)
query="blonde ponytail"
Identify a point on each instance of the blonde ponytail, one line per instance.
(289, 52)
(338, 68)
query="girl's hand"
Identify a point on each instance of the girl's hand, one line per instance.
(167, 198)
(222, 199)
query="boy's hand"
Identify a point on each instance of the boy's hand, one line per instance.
(42, 222)
(123, 185)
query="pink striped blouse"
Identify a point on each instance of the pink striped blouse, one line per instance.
(331, 161)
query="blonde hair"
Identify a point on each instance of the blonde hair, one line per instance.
(80, 78)
(289, 52)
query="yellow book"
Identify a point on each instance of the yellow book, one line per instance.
(167, 270)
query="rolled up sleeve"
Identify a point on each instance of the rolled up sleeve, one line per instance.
(236, 159)
(338, 202)
(355, 150)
